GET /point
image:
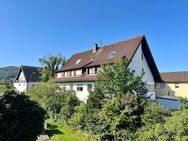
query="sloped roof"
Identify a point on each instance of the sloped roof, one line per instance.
(31, 73)
(123, 49)
(175, 77)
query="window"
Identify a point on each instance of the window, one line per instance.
(142, 56)
(89, 87)
(177, 85)
(143, 70)
(73, 73)
(93, 58)
(112, 54)
(78, 72)
(71, 86)
(67, 74)
(79, 88)
(91, 71)
(78, 61)
(58, 75)
(162, 85)
(63, 74)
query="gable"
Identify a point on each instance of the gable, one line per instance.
(122, 49)
(139, 64)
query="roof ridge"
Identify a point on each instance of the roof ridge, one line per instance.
(174, 72)
(133, 38)
(30, 66)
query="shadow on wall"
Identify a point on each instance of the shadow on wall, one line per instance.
(163, 89)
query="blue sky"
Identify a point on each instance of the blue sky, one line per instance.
(30, 29)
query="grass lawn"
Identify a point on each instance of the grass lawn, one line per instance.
(57, 133)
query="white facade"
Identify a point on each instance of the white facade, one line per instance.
(21, 85)
(82, 95)
(138, 64)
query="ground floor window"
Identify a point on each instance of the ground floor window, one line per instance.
(89, 87)
(79, 88)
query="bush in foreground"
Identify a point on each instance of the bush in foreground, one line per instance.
(20, 118)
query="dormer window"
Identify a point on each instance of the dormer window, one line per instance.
(78, 61)
(112, 54)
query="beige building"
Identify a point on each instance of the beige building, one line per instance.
(173, 84)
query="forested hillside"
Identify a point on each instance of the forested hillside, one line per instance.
(8, 73)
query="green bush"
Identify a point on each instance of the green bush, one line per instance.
(175, 128)
(58, 104)
(153, 113)
(20, 118)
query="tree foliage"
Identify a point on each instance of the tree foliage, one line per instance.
(51, 64)
(116, 80)
(20, 118)
(58, 104)
(175, 128)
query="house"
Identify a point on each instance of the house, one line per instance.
(27, 77)
(173, 84)
(79, 72)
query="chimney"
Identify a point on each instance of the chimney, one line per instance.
(95, 48)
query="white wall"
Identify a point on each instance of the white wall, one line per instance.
(22, 76)
(138, 64)
(23, 87)
(81, 95)
(20, 87)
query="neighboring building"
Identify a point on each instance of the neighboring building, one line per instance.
(27, 77)
(173, 84)
(79, 72)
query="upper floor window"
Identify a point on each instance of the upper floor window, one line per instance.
(58, 75)
(142, 56)
(78, 72)
(112, 54)
(91, 71)
(67, 74)
(73, 73)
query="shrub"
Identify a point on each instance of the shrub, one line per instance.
(59, 105)
(153, 113)
(20, 118)
(175, 128)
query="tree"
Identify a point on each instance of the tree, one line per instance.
(20, 118)
(51, 64)
(119, 96)
(116, 80)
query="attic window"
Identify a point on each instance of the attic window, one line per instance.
(78, 61)
(112, 54)
(93, 57)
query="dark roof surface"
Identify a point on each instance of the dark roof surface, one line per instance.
(31, 73)
(125, 48)
(178, 77)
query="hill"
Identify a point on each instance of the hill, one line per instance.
(8, 73)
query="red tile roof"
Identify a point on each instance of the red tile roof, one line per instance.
(175, 77)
